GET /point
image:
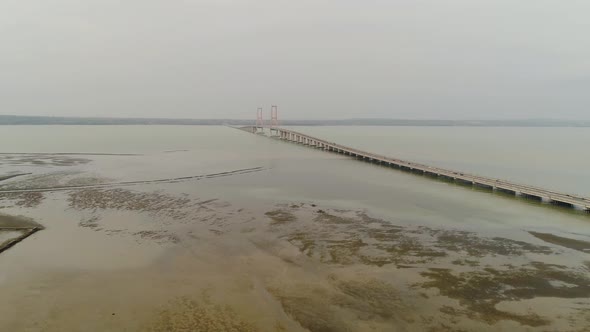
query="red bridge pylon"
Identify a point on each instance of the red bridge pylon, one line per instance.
(274, 121)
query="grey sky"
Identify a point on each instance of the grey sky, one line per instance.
(455, 59)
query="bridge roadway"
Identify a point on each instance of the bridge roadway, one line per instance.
(499, 185)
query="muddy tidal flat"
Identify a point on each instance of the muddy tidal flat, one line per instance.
(125, 242)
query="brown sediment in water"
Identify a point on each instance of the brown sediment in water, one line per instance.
(310, 307)
(369, 298)
(579, 245)
(184, 314)
(280, 216)
(341, 303)
(481, 290)
(158, 236)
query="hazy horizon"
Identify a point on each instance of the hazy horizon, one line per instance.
(267, 118)
(316, 60)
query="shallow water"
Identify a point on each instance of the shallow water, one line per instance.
(200, 228)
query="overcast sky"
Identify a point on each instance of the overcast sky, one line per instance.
(315, 59)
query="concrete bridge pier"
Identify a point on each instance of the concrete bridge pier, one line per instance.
(506, 191)
(483, 186)
(560, 203)
(431, 174)
(463, 182)
(446, 177)
(531, 197)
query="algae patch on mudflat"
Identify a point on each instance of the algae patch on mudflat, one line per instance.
(473, 273)
(154, 203)
(41, 160)
(478, 246)
(481, 290)
(23, 199)
(347, 238)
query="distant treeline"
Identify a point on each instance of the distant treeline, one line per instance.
(47, 120)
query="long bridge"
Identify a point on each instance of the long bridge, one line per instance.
(499, 185)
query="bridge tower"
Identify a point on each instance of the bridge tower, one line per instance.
(274, 121)
(259, 121)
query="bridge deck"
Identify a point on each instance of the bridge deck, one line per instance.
(486, 182)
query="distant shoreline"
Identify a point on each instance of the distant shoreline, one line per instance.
(44, 120)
